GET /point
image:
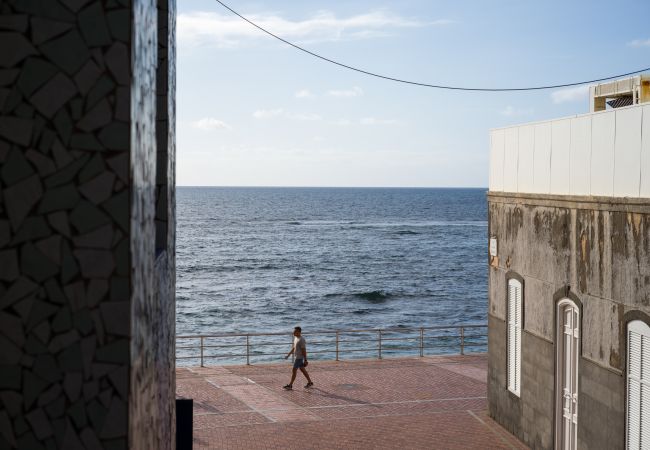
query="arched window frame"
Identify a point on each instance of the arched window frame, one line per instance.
(514, 331)
(637, 376)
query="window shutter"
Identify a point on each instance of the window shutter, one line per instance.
(638, 385)
(518, 337)
(514, 335)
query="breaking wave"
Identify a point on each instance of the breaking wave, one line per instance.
(374, 296)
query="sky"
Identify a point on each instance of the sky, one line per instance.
(252, 111)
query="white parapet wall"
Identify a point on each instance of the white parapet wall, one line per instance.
(604, 153)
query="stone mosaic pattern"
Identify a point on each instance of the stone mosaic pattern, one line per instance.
(76, 226)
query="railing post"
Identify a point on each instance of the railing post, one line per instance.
(379, 335)
(248, 350)
(201, 351)
(462, 340)
(421, 342)
(337, 345)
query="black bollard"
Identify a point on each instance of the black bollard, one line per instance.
(184, 419)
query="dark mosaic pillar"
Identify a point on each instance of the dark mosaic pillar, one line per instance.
(86, 300)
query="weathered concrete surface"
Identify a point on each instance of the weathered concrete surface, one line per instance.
(152, 400)
(598, 248)
(164, 325)
(150, 405)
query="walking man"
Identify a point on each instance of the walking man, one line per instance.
(299, 350)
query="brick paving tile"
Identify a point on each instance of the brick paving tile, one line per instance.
(202, 421)
(226, 380)
(462, 359)
(435, 402)
(184, 372)
(458, 430)
(395, 409)
(269, 403)
(208, 398)
(208, 371)
(468, 370)
(498, 429)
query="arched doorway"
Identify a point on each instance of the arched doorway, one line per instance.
(566, 375)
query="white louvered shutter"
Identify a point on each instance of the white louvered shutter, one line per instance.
(638, 385)
(514, 335)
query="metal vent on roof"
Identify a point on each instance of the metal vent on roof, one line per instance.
(621, 101)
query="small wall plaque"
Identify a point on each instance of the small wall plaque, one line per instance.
(493, 246)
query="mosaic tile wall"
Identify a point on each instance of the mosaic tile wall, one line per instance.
(85, 339)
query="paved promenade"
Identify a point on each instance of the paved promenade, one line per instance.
(407, 403)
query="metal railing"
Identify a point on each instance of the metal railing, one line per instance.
(234, 348)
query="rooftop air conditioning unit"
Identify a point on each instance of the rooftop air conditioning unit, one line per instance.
(617, 93)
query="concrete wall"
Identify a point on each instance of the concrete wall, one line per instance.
(598, 248)
(86, 354)
(163, 323)
(600, 154)
(530, 416)
(153, 385)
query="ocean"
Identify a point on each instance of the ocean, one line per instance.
(268, 259)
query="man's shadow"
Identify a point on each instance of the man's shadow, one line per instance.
(332, 395)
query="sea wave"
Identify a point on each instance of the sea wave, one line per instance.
(199, 268)
(374, 296)
(349, 223)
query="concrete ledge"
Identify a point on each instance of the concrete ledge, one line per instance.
(622, 204)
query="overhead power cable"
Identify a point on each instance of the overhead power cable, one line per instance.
(415, 83)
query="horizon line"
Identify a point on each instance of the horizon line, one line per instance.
(329, 187)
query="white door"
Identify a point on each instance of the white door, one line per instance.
(568, 349)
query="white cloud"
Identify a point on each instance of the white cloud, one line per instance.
(365, 121)
(227, 31)
(279, 112)
(209, 123)
(375, 121)
(306, 117)
(354, 92)
(511, 111)
(304, 93)
(267, 113)
(574, 94)
(639, 43)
